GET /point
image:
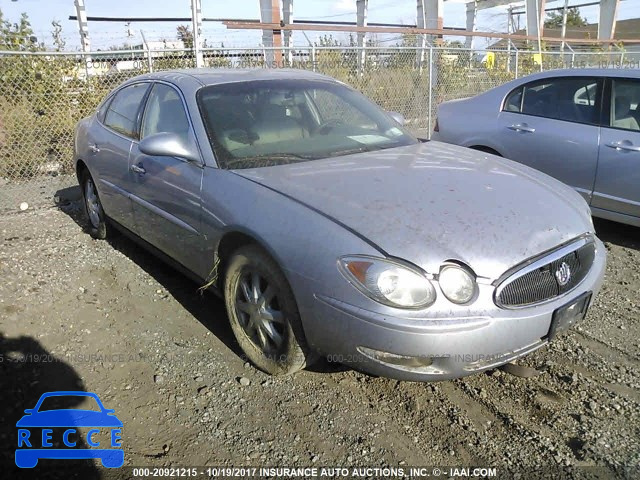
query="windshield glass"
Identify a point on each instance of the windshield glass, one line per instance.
(273, 122)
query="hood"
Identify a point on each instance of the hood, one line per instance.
(433, 202)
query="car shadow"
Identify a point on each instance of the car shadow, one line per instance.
(205, 306)
(617, 233)
(27, 370)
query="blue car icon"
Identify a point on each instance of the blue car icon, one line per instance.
(31, 448)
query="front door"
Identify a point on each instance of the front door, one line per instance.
(166, 197)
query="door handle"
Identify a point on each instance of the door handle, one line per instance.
(137, 169)
(623, 146)
(521, 127)
(94, 148)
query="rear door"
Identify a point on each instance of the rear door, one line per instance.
(552, 125)
(110, 139)
(617, 187)
(166, 192)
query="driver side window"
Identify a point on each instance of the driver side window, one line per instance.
(165, 113)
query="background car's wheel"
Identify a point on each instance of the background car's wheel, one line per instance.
(263, 313)
(98, 227)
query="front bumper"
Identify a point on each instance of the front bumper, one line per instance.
(442, 348)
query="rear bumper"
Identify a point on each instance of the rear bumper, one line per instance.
(440, 349)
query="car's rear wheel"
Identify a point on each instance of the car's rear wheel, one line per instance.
(98, 227)
(263, 313)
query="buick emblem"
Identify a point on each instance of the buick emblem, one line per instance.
(563, 274)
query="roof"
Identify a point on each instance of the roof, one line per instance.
(587, 72)
(211, 76)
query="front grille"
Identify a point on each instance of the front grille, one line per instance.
(541, 280)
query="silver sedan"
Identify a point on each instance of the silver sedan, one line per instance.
(580, 126)
(330, 230)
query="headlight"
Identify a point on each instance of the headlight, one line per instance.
(388, 282)
(457, 284)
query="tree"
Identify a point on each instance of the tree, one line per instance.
(185, 35)
(327, 41)
(17, 36)
(58, 41)
(554, 19)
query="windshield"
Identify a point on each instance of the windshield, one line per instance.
(65, 402)
(273, 122)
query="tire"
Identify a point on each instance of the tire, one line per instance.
(263, 313)
(96, 219)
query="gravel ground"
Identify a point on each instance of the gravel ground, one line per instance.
(107, 317)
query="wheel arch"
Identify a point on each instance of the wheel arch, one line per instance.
(230, 241)
(485, 149)
(80, 168)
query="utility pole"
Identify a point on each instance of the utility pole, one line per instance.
(83, 25)
(564, 23)
(196, 21)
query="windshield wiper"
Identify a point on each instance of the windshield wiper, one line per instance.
(349, 151)
(362, 149)
(270, 156)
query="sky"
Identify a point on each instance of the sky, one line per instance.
(103, 35)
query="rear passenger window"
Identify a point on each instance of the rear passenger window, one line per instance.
(122, 114)
(625, 104)
(514, 101)
(572, 99)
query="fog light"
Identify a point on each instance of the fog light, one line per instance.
(457, 284)
(405, 361)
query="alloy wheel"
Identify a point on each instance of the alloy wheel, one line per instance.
(258, 309)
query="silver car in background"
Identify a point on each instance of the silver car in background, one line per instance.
(581, 126)
(330, 230)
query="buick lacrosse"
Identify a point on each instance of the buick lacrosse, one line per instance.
(330, 230)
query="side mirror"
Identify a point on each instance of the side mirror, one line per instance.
(29, 411)
(170, 145)
(398, 117)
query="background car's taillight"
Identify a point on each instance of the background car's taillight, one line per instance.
(436, 128)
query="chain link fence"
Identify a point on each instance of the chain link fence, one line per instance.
(44, 94)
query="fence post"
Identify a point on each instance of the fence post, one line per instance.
(313, 57)
(517, 54)
(148, 49)
(430, 101)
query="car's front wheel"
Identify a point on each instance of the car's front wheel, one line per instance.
(263, 313)
(98, 227)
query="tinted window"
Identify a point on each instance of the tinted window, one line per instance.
(123, 110)
(164, 113)
(514, 101)
(572, 99)
(625, 104)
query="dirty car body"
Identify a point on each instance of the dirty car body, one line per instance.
(407, 259)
